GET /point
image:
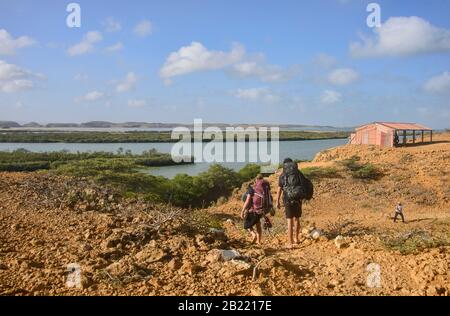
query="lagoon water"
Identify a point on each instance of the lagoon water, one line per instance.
(306, 150)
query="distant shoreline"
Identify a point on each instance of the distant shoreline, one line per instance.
(105, 126)
(10, 136)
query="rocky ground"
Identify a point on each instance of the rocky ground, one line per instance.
(50, 225)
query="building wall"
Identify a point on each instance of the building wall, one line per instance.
(373, 134)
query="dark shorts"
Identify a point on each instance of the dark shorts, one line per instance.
(293, 210)
(251, 220)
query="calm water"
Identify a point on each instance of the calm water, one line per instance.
(293, 149)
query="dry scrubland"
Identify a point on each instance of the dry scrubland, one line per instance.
(136, 248)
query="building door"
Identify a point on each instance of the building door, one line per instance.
(365, 138)
(383, 139)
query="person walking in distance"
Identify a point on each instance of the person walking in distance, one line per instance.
(399, 212)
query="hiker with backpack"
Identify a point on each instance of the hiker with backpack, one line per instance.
(257, 203)
(294, 187)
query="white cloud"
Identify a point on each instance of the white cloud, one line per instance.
(264, 95)
(129, 83)
(324, 60)
(14, 79)
(9, 45)
(92, 96)
(86, 45)
(80, 77)
(263, 71)
(343, 76)
(114, 48)
(143, 28)
(197, 57)
(330, 97)
(110, 25)
(136, 103)
(438, 84)
(403, 36)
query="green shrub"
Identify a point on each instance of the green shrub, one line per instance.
(121, 171)
(24, 166)
(367, 171)
(351, 163)
(359, 170)
(249, 172)
(414, 242)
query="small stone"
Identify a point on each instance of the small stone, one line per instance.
(229, 254)
(214, 256)
(85, 247)
(15, 226)
(340, 242)
(315, 234)
(149, 255)
(217, 255)
(174, 264)
(241, 266)
(189, 268)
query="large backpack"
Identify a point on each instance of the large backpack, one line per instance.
(296, 186)
(262, 199)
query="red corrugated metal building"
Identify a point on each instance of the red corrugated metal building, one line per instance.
(387, 134)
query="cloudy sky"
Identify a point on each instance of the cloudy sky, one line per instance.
(250, 61)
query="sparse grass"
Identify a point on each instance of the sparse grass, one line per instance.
(347, 227)
(337, 228)
(414, 241)
(366, 205)
(422, 195)
(365, 171)
(318, 172)
(201, 221)
(406, 158)
(351, 163)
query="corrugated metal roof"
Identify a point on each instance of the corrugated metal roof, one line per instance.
(405, 126)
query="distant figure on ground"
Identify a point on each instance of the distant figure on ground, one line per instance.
(294, 187)
(399, 212)
(257, 202)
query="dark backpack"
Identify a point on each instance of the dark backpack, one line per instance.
(244, 196)
(296, 186)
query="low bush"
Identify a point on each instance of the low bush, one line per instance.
(367, 171)
(413, 242)
(24, 166)
(351, 163)
(121, 170)
(359, 170)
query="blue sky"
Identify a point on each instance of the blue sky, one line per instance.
(299, 62)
